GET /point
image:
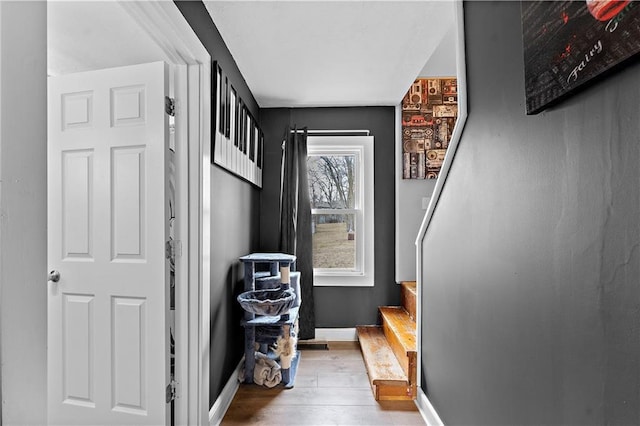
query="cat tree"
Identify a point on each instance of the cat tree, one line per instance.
(271, 300)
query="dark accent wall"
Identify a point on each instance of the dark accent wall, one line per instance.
(531, 299)
(235, 210)
(339, 306)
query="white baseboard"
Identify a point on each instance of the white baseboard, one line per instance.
(220, 407)
(336, 334)
(429, 414)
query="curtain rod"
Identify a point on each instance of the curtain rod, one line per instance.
(339, 132)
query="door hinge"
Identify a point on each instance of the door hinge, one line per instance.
(170, 106)
(173, 249)
(172, 392)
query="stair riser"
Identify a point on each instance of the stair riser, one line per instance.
(408, 297)
(394, 393)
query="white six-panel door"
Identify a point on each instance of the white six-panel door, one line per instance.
(108, 336)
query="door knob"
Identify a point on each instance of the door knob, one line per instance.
(54, 276)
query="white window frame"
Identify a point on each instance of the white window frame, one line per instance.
(362, 148)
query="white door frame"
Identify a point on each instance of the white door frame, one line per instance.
(168, 28)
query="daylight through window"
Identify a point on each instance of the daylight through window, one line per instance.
(332, 190)
(342, 224)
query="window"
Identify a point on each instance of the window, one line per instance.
(340, 174)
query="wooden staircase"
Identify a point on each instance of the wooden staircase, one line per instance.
(389, 350)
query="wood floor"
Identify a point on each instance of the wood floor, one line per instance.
(331, 388)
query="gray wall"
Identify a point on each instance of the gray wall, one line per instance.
(23, 212)
(234, 221)
(339, 306)
(531, 297)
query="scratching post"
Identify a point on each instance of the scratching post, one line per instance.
(285, 282)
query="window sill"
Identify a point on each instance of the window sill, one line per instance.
(335, 280)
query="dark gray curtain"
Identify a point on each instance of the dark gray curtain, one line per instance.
(295, 221)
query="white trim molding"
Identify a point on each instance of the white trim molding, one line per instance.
(457, 130)
(171, 32)
(222, 404)
(429, 414)
(336, 334)
(444, 172)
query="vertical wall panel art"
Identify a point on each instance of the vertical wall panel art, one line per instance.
(237, 138)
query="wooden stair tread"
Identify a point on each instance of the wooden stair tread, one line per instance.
(382, 365)
(386, 375)
(400, 331)
(400, 323)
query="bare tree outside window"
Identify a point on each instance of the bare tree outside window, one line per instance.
(332, 191)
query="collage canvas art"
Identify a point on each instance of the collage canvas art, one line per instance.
(429, 113)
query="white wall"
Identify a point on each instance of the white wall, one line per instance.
(23, 269)
(410, 192)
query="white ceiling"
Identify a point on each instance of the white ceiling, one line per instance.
(305, 53)
(296, 53)
(91, 35)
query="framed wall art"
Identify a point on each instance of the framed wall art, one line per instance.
(570, 43)
(235, 132)
(429, 113)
